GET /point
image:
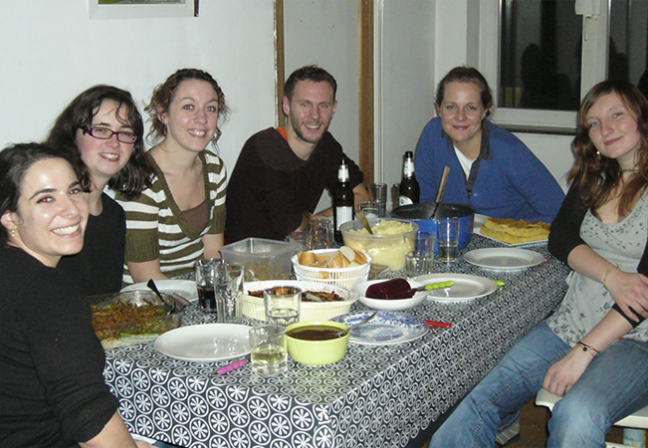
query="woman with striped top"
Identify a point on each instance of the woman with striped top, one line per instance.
(181, 218)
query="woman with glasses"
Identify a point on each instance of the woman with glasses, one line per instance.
(102, 129)
(181, 217)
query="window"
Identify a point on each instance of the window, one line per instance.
(542, 56)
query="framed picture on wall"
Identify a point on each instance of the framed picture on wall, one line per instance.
(139, 9)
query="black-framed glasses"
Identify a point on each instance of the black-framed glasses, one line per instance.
(106, 134)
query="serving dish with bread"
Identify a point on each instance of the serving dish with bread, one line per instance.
(514, 232)
(342, 267)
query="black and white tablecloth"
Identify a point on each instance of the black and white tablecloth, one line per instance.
(376, 396)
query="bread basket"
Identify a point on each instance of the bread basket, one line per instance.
(343, 277)
(254, 307)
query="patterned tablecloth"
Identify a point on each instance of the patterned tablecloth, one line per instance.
(376, 396)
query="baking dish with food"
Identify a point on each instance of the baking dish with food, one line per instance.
(133, 317)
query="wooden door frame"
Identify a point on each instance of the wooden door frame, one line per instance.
(365, 80)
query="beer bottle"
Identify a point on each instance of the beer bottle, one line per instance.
(409, 191)
(342, 200)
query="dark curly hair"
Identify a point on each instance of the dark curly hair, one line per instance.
(15, 161)
(599, 176)
(136, 175)
(164, 93)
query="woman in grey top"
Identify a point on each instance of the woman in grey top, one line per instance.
(601, 233)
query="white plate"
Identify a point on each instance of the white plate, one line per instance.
(466, 287)
(478, 222)
(387, 328)
(389, 305)
(184, 288)
(504, 259)
(478, 232)
(205, 343)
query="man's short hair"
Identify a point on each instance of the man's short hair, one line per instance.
(308, 73)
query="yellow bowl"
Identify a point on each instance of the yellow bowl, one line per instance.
(317, 353)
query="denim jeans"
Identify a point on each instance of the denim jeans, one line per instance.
(614, 385)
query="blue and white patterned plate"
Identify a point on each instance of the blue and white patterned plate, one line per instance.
(387, 328)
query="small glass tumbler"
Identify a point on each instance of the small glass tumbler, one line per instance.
(448, 238)
(320, 234)
(229, 292)
(418, 262)
(424, 241)
(371, 209)
(378, 193)
(208, 273)
(269, 356)
(282, 305)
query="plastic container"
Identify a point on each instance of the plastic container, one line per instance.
(386, 250)
(263, 259)
(343, 277)
(134, 317)
(254, 307)
(420, 213)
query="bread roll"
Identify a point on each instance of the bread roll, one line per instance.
(306, 258)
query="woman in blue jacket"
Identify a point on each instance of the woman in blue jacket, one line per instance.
(490, 168)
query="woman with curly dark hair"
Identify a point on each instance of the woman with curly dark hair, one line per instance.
(103, 131)
(181, 217)
(593, 350)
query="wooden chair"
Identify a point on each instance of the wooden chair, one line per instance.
(637, 420)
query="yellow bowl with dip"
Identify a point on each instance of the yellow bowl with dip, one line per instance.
(304, 347)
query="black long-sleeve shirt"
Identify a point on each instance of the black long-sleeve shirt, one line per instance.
(52, 390)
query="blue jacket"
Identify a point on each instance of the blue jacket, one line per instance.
(511, 182)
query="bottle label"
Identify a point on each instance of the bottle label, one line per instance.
(404, 200)
(408, 168)
(342, 215)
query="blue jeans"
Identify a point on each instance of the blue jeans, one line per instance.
(614, 385)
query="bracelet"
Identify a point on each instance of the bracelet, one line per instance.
(586, 347)
(606, 274)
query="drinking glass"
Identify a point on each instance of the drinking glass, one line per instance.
(269, 356)
(448, 238)
(378, 193)
(320, 234)
(371, 209)
(418, 262)
(207, 273)
(229, 292)
(300, 239)
(424, 241)
(282, 305)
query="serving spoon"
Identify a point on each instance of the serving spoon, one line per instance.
(440, 193)
(343, 333)
(363, 219)
(151, 284)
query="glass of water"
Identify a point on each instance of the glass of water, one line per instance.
(268, 353)
(282, 305)
(448, 239)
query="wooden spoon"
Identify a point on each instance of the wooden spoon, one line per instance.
(363, 219)
(439, 198)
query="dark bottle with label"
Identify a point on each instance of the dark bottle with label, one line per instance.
(342, 200)
(409, 192)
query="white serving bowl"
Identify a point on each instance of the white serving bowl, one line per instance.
(254, 307)
(342, 277)
(388, 304)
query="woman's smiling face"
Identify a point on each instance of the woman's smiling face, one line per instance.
(52, 212)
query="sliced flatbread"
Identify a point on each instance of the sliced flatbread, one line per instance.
(515, 232)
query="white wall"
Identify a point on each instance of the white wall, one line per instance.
(325, 33)
(51, 51)
(405, 65)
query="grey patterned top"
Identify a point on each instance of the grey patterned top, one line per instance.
(587, 301)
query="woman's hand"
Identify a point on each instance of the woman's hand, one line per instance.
(628, 290)
(563, 375)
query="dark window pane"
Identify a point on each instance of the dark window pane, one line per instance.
(540, 55)
(628, 35)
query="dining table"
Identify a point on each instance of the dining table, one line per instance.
(376, 396)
